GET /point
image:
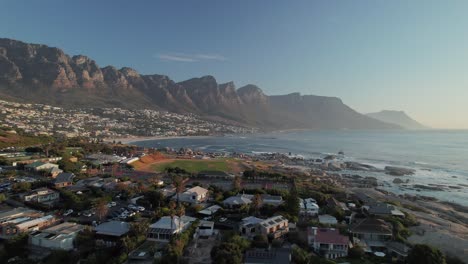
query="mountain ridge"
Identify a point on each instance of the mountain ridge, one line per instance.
(42, 74)
(399, 118)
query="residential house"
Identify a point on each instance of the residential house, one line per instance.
(40, 166)
(210, 210)
(249, 226)
(166, 227)
(398, 250)
(327, 219)
(19, 212)
(42, 195)
(240, 200)
(274, 227)
(205, 228)
(274, 200)
(64, 180)
(54, 171)
(308, 207)
(60, 237)
(20, 225)
(110, 233)
(268, 256)
(372, 233)
(328, 242)
(193, 195)
(237, 201)
(384, 209)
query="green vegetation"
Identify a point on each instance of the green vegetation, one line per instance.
(176, 246)
(425, 254)
(230, 251)
(194, 166)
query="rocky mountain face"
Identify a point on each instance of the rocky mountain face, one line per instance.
(42, 74)
(399, 118)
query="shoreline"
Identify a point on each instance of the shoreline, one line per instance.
(130, 140)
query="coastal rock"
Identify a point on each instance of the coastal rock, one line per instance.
(398, 181)
(429, 188)
(359, 166)
(398, 171)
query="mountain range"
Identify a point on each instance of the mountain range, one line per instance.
(399, 118)
(42, 74)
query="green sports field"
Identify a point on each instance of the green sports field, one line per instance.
(195, 166)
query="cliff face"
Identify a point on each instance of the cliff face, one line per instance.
(38, 73)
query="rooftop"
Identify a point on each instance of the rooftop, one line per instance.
(113, 228)
(328, 236)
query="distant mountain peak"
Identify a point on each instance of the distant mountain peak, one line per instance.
(41, 74)
(397, 117)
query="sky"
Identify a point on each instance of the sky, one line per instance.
(374, 55)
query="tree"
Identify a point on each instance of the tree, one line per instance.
(422, 253)
(356, 252)
(257, 203)
(237, 183)
(179, 184)
(101, 208)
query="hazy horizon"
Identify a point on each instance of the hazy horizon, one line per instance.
(374, 55)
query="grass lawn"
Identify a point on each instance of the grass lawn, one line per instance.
(194, 165)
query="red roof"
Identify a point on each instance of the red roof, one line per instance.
(330, 236)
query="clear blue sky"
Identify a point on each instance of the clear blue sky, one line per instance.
(402, 55)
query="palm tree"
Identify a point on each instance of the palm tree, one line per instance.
(180, 212)
(172, 206)
(179, 184)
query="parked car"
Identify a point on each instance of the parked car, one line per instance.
(68, 212)
(87, 214)
(113, 203)
(222, 219)
(141, 208)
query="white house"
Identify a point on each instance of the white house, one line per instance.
(167, 226)
(61, 236)
(193, 195)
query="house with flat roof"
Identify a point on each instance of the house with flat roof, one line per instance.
(249, 226)
(328, 242)
(109, 233)
(20, 225)
(267, 256)
(274, 227)
(384, 209)
(42, 195)
(19, 212)
(205, 228)
(240, 200)
(327, 219)
(61, 236)
(166, 227)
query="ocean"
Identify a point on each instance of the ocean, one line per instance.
(438, 156)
